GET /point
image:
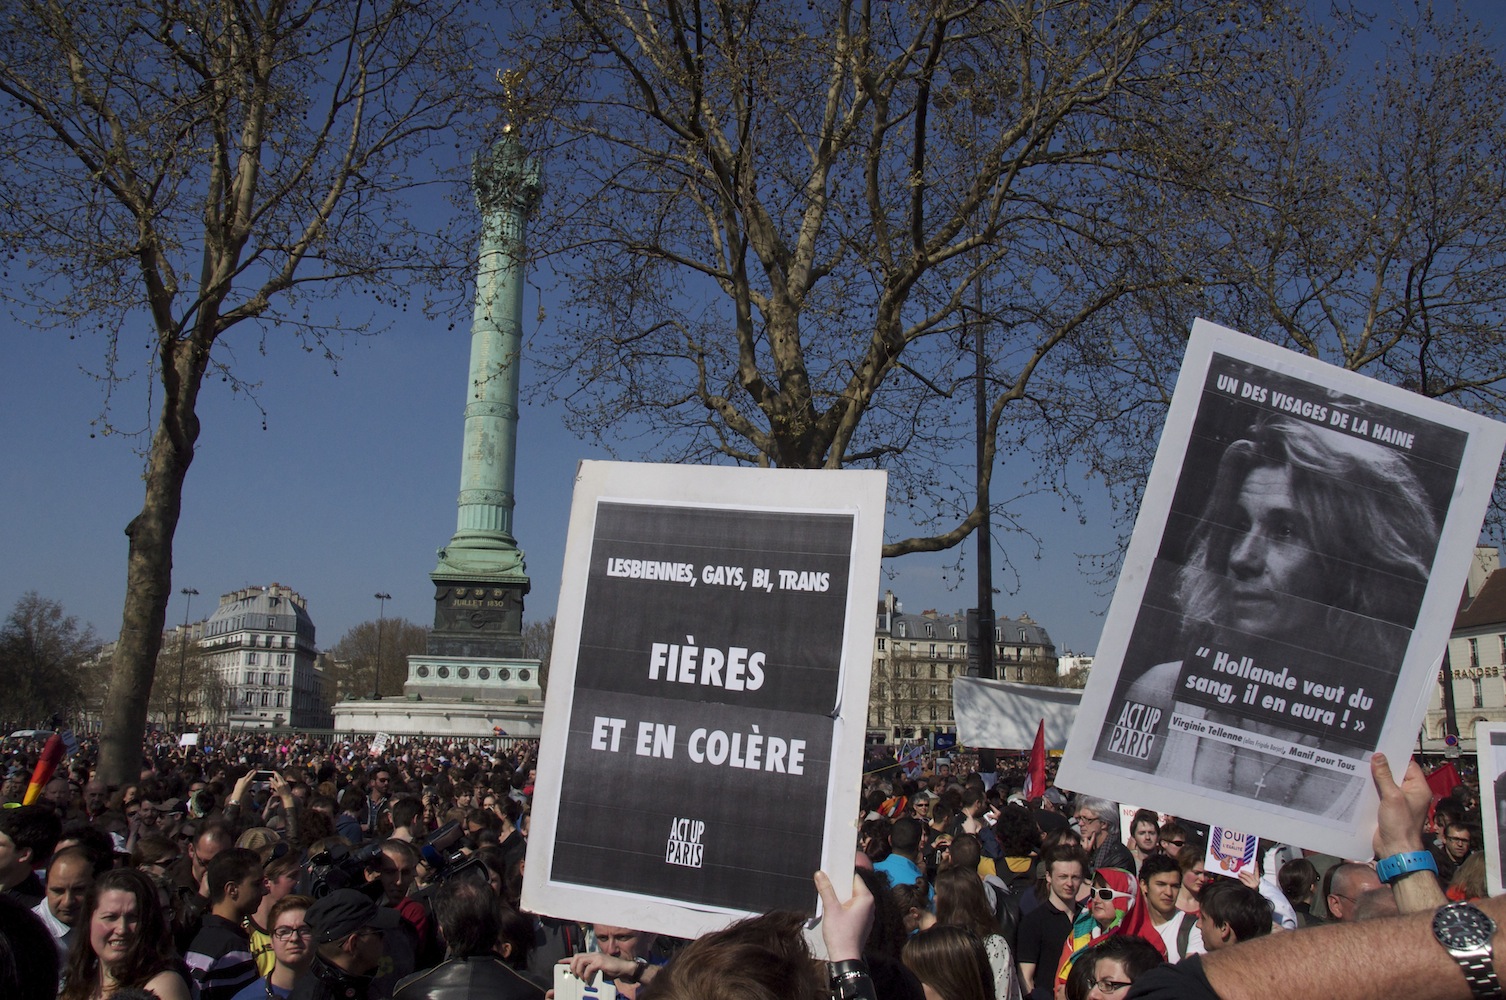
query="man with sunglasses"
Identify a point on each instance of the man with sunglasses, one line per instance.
(1173, 838)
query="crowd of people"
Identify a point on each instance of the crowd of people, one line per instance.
(1064, 900)
(255, 867)
(252, 867)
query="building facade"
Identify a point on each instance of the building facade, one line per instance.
(1476, 655)
(259, 649)
(1073, 665)
(916, 658)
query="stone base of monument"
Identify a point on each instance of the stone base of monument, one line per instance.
(454, 696)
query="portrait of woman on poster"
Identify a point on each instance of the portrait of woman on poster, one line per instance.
(1312, 552)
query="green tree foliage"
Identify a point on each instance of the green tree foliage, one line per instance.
(178, 170)
(46, 662)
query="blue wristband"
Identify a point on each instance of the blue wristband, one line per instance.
(1397, 865)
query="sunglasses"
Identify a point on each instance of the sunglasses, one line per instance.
(1108, 895)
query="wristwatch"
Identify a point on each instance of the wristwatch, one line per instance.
(850, 979)
(1465, 932)
(636, 976)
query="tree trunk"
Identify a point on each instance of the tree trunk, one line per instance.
(150, 564)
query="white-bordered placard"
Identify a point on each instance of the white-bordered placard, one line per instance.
(1490, 748)
(701, 753)
(1286, 596)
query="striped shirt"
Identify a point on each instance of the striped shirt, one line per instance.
(220, 958)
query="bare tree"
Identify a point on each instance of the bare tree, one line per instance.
(538, 644)
(785, 216)
(180, 655)
(186, 167)
(215, 700)
(1351, 208)
(357, 652)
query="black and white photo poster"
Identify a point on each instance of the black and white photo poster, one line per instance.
(1490, 750)
(702, 741)
(1286, 595)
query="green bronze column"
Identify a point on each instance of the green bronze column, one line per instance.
(481, 577)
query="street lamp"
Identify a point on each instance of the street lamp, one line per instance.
(376, 684)
(189, 593)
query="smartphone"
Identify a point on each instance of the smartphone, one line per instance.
(261, 779)
(567, 987)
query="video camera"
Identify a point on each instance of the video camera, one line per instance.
(444, 863)
(339, 867)
(343, 868)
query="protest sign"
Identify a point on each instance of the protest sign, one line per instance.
(1229, 852)
(188, 740)
(379, 744)
(913, 761)
(1286, 595)
(1127, 823)
(701, 752)
(1490, 748)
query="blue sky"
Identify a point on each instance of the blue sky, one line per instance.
(351, 487)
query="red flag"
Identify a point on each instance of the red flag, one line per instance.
(1444, 780)
(1035, 780)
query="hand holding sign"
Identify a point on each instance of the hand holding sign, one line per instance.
(1403, 807)
(845, 926)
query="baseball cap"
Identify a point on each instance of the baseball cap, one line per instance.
(345, 911)
(1055, 797)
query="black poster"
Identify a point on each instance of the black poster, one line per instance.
(700, 737)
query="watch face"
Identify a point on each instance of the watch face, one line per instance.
(1461, 926)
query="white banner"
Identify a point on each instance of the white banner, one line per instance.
(1004, 715)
